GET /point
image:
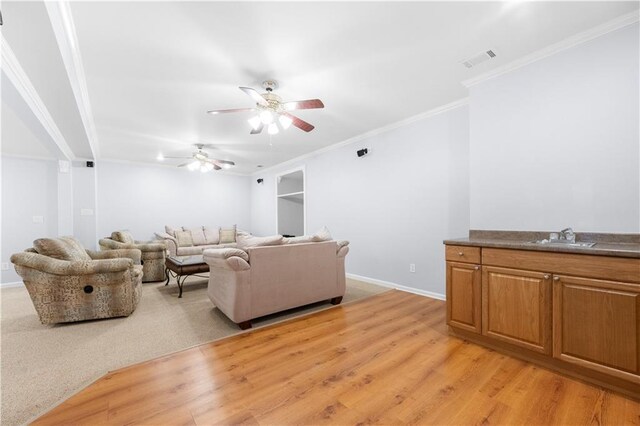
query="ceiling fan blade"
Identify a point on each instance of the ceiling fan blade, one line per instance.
(224, 111)
(306, 104)
(258, 130)
(185, 164)
(299, 123)
(255, 96)
(179, 158)
(216, 167)
(231, 163)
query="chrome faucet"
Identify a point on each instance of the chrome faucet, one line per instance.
(567, 234)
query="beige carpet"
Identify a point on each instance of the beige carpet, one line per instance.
(43, 365)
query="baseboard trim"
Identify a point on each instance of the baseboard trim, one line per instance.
(11, 284)
(388, 284)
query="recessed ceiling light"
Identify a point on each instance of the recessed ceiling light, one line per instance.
(160, 157)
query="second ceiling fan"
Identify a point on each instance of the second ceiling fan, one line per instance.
(271, 110)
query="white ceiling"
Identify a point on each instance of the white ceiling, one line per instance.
(154, 68)
(28, 31)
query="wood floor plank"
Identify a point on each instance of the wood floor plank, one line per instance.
(387, 359)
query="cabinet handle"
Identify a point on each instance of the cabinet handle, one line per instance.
(476, 267)
(460, 253)
(556, 278)
(547, 276)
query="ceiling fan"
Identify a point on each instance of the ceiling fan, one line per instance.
(200, 160)
(270, 107)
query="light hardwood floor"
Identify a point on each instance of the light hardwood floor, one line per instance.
(386, 360)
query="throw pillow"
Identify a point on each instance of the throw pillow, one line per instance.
(247, 241)
(171, 231)
(65, 248)
(212, 235)
(123, 237)
(184, 239)
(321, 235)
(228, 235)
(197, 234)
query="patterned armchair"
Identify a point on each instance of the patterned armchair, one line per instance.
(68, 283)
(153, 253)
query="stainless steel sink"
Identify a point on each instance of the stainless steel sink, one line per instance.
(563, 243)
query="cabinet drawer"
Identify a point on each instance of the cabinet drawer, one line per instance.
(463, 254)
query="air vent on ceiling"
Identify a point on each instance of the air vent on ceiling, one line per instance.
(479, 58)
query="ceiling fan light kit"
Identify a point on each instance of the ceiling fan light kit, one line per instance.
(270, 107)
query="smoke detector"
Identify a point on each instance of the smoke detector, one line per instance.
(479, 58)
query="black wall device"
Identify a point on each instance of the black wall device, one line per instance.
(362, 152)
(260, 180)
(89, 163)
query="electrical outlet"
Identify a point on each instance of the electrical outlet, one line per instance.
(412, 267)
(4, 266)
(86, 212)
(38, 219)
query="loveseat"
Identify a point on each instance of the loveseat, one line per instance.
(257, 281)
(153, 253)
(68, 283)
(184, 241)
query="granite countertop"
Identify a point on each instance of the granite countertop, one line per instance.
(619, 245)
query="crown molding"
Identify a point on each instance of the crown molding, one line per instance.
(384, 129)
(590, 34)
(64, 29)
(18, 77)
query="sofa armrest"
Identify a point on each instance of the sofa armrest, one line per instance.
(343, 248)
(128, 253)
(64, 267)
(155, 245)
(227, 258)
(170, 242)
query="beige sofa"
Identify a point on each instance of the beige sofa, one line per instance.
(247, 284)
(68, 283)
(183, 241)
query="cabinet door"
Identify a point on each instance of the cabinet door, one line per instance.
(597, 325)
(463, 296)
(516, 307)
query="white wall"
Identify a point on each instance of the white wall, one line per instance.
(84, 199)
(395, 205)
(145, 198)
(29, 188)
(556, 143)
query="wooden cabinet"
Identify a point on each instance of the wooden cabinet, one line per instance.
(516, 307)
(463, 294)
(597, 325)
(578, 313)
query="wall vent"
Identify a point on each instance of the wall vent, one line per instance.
(479, 58)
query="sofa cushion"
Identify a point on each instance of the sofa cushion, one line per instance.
(321, 235)
(211, 235)
(297, 240)
(184, 238)
(64, 248)
(171, 231)
(123, 237)
(228, 235)
(197, 235)
(246, 241)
